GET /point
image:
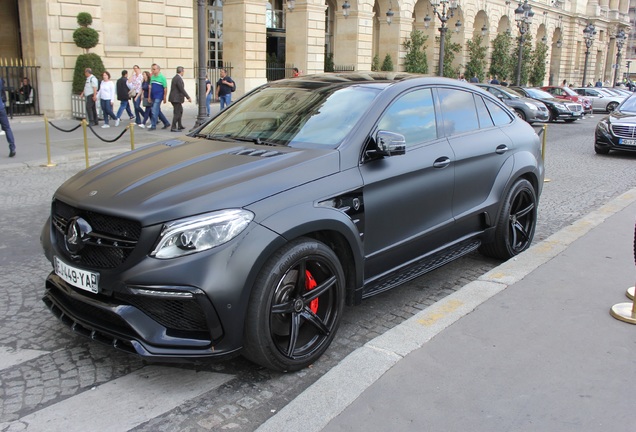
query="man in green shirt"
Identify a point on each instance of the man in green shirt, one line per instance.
(158, 92)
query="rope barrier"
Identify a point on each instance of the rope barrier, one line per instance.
(64, 130)
(90, 126)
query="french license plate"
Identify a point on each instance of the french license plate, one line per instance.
(627, 142)
(576, 113)
(77, 277)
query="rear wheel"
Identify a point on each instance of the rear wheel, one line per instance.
(516, 223)
(611, 106)
(295, 307)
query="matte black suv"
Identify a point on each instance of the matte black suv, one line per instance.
(251, 233)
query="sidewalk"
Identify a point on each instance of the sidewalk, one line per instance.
(30, 138)
(530, 346)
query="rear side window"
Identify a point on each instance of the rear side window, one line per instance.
(484, 116)
(458, 110)
(412, 115)
(498, 114)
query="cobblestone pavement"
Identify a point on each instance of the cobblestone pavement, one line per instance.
(60, 365)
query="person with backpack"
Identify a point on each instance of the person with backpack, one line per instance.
(224, 88)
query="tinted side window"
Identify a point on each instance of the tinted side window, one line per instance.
(484, 116)
(412, 115)
(498, 114)
(458, 109)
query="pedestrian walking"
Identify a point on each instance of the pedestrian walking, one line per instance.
(135, 82)
(4, 121)
(144, 97)
(177, 95)
(90, 93)
(123, 90)
(158, 93)
(208, 95)
(224, 88)
(106, 94)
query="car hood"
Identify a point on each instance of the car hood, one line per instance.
(622, 117)
(188, 176)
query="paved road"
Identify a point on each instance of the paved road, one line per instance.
(48, 374)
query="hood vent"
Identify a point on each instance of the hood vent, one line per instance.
(257, 153)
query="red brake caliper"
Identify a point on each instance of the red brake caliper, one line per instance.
(310, 283)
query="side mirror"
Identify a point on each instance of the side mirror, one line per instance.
(389, 143)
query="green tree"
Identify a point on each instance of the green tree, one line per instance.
(86, 38)
(415, 60)
(500, 60)
(375, 64)
(476, 65)
(387, 64)
(329, 64)
(537, 75)
(527, 60)
(450, 49)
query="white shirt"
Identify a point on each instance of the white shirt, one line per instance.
(106, 90)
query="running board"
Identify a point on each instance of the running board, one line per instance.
(418, 268)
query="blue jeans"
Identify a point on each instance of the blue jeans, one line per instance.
(4, 122)
(107, 110)
(124, 105)
(157, 114)
(208, 100)
(139, 111)
(225, 100)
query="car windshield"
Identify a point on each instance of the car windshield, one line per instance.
(569, 91)
(628, 105)
(514, 93)
(293, 116)
(539, 94)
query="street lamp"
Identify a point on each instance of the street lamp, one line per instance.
(621, 37)
(588, 34)
(523, 17)
(202, 25)
(448, 11)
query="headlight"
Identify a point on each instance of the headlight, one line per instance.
(533, 107)
(561, 107)
(603, 125)
(199, 233)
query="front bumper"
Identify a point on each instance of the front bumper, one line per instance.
(606, 140)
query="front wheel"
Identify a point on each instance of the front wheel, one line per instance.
(611, 106)
(569, 120)
(295, 307)
(516, 223)
(520, 114)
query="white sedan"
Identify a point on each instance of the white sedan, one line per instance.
(601, 101)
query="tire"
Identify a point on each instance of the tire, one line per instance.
(295, 307)
(516, 223)
(551, 117)
(611, 106)
(520, 114)
(569, 120)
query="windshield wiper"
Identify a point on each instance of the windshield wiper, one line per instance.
(231, 138)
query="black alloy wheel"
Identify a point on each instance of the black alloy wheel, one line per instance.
(295, 307)
(516, 224)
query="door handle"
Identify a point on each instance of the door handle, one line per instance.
(501, 149)
(442, 162)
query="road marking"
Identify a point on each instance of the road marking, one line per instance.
(124, 403)
(435, 314)
(10, 357)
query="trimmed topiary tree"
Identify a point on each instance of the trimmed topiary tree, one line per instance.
(387, 64)
(415, 60)
(375, 64)
(86, 38)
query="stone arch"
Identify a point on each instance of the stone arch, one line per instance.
(554, 73)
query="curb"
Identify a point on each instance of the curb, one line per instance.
(324, 400)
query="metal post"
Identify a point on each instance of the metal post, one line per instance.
(85, 141)
(543, 141)
(618, 63)
(131, 126)
(587, 55)
(519, 59)
(48, 143)
(203, 59)
(442, 40)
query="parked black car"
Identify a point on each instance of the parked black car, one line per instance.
(617, 131)
(526, 108)
(559, 109)
(251, 233)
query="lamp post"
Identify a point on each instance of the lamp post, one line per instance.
(588, 34)
(447, 12)
(203, 59)
(523, 17)
(621, 37)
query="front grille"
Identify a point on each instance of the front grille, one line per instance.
(624, 131)
(112, 240)
(176, 314)
(574, 107)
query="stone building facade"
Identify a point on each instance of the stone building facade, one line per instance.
(246, 33)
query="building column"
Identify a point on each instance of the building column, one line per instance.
(391, 38)
(245, 42)
(353, 40)
(305, 32)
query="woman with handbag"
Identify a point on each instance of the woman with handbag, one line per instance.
(106, 95)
